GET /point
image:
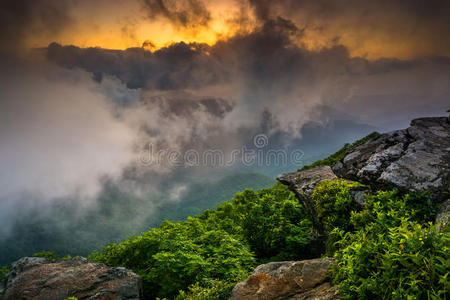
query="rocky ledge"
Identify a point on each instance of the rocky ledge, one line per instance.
(413, 159)
(288, 280)
(39, 278)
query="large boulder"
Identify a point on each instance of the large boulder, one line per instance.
(288, 280)
(413, 159)
(39, 278)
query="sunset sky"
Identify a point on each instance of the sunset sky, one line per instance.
(372, 29)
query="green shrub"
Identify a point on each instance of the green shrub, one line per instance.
(205, 256)
(213, 289)
(341, 153)
(177, 255)
(391, 255)
(50, 255)
(334, 203)
(3, 272)
(273, 222)
(391, 207)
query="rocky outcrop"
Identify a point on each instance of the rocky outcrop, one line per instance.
(413, 159)
(287, 280)
(302, 183)
(39, 278)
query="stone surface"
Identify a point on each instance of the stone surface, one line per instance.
(305, 181)
(443, 215)
(39, 278)
(287, 280)
(412, 159)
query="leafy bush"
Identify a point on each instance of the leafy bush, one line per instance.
(341, 153)
(416, 207)
(334, 203)
(50, 255)
(390, 255)
(177, 255)
(213, 289)
(205, 256)
(273, 222)
(3, 272)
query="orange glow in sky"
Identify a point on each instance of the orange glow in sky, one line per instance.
(125, 24)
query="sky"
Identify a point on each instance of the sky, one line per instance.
(371, 29)
(87, 87)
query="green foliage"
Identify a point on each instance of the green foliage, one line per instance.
(206, 256)
(416, 207)
(390, 254)
(71, 298)
(3, 272)
(177, 255)
(50, 255)
(213, 289)
(341, 153)
(273, 223)
(334, 203)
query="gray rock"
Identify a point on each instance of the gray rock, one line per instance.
(287, 280)
(413, 159)
(443, 216)
(358, 195)
(39, 278)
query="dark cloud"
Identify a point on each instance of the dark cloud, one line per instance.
(183, 13)
(425, 13)
(183, 105)
(264, 54)
(267, 69)
(20, 19)
(169, 68)
(262, 8)
(417, 27)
